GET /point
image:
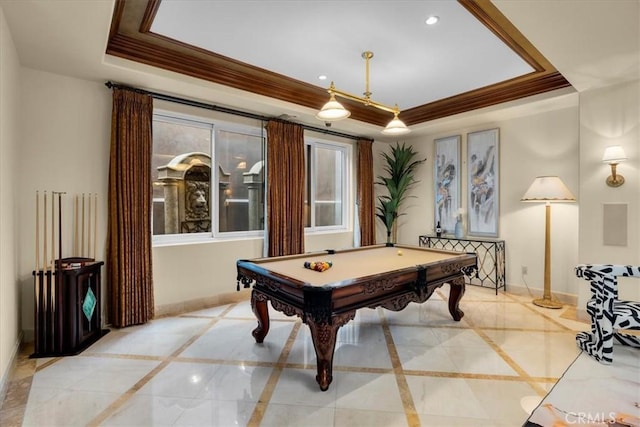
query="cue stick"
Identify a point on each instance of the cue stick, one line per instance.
(37, 231)
(37, 276)
(95, 226)
(75, 228)
(48, 309)
(82, 239)
(52, 278)
(89, 229)
(60, 193)
(53, 232)
(44, 221)
(59, 272)
(40, 311)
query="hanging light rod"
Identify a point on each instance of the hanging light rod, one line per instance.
(333, 111)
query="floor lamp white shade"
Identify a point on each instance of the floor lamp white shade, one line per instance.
(547, 189)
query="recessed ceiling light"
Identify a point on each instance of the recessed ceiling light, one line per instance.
(322, 77)
(432, 20)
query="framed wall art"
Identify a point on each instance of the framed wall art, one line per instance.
(483, 180)
(447, 182)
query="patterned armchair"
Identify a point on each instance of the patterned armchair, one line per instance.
(608, 314)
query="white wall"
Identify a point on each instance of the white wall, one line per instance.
(10, 326)
(66, 138)
(545, 143)
(191, 272)
(66, 127)
(609, 116)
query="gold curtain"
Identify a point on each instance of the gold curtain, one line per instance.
(285, 188)
(366, 203)
(129, 272)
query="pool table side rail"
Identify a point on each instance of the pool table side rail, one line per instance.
(358, 292)
(250, 271)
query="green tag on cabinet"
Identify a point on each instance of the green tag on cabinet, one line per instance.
(89, 304)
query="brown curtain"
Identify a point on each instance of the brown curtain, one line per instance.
(365, 198)
(285, 188)
(129, 271)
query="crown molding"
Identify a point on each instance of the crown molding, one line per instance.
(130, 38)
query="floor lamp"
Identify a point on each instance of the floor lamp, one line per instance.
(547, 189)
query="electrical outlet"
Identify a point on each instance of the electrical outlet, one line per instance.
(524, 270)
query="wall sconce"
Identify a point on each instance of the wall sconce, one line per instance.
(614, 155)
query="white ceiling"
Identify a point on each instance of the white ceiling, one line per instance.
(592, 43)
(413, 63)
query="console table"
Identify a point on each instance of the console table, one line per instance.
(490, 253)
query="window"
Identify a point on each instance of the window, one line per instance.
(239, 155)
(190, 184)
(326, 201)
(209, 179)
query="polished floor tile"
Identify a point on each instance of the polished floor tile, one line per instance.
(409, 368)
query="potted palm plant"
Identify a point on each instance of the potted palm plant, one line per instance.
(400, 168)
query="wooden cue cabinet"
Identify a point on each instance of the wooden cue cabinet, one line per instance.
(67, 307)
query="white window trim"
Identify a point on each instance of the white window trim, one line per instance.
(232, 128)
(347, 161)
(214, 235)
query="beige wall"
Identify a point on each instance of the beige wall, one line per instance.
(10, 326)
(70, 146)
(609, 116)
(545, 143)
(207, 271)
(64, 126)
(68, 150)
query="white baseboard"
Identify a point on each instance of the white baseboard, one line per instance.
(28, 335)
(569, 299)
(201, 303)
(6, 376)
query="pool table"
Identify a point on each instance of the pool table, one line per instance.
(370, 276)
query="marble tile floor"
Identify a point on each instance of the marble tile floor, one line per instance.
(416, 367)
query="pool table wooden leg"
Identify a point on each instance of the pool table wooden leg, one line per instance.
(323, 333)
(261, 310)
(457, 288)
(324, 342)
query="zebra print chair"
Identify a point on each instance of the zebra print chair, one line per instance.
(608, 314)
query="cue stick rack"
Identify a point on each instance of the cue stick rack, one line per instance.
(67, 289)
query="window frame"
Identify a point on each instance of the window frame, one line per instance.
(347, 193)
(215, 126)
(248, 130)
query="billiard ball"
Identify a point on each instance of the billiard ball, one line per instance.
(399, 253)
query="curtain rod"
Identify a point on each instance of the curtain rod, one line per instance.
(206, 106)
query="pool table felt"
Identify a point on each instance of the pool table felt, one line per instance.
(353, 264)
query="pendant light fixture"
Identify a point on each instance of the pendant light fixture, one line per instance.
(333, 111)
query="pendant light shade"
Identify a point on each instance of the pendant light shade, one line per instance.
(396, 127)
(332, 111)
